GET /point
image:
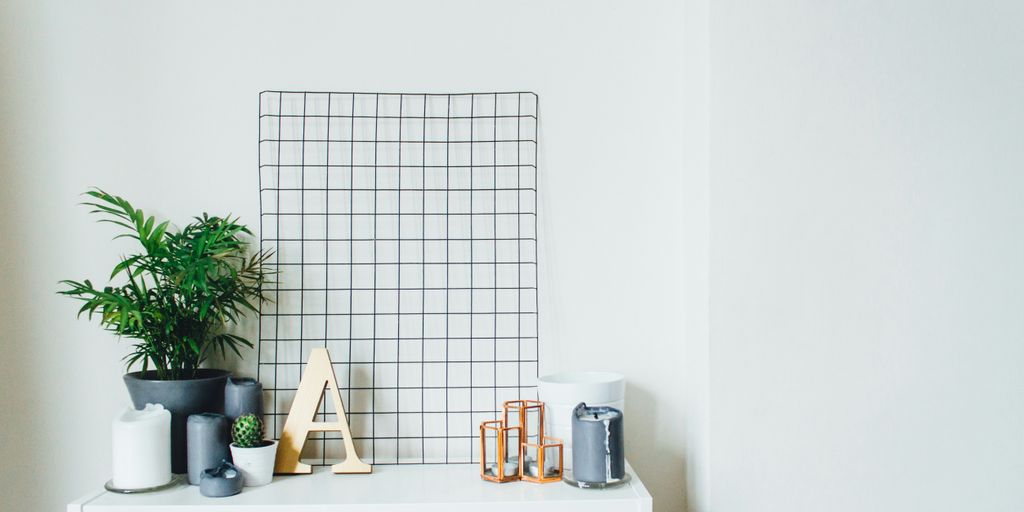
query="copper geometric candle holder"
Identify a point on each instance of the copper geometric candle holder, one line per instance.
(501, 464)
(539, 461)
(526, 414)
(519, 448)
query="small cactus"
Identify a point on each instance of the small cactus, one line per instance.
(247, 431)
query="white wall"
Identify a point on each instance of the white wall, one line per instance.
(866, 254)
(694, 228)
(159, 103)
(864, 197)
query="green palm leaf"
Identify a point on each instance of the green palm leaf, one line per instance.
(180, 292)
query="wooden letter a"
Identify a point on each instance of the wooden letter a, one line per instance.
(319, 376)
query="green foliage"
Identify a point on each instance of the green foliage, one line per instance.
(176, 296)
(247, 431)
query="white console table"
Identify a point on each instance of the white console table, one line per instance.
(422, 488)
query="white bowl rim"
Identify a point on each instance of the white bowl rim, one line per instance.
(584, 377)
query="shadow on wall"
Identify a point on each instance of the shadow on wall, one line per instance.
(246, 365)
(18, 364)
(661, 468)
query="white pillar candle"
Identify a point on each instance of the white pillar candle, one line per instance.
(141, 447)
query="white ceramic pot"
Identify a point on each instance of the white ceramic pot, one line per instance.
(256, 464)
(561, 392)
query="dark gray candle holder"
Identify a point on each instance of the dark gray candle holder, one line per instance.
(223, 480)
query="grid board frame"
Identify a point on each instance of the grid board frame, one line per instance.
(357, 189)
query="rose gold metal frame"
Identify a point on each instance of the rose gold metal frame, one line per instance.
(542, 478)
(501, 431)
(523, 408)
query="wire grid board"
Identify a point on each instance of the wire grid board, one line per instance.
(404, 231)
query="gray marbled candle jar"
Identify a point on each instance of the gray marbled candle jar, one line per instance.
(597, 441)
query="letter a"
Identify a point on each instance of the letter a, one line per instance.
(319, 376)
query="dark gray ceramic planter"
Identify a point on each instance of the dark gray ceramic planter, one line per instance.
(204, 393)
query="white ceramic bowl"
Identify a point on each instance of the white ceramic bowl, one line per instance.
(561, 392)
(576, 387)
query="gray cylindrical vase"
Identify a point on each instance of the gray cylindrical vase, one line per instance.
(241, 397)
(223, 480)
(209, 435)
(597, 444)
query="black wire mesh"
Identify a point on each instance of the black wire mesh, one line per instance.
(405, 235)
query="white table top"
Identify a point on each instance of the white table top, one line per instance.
(427, 488)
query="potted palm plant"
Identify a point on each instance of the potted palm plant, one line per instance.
(175, 298)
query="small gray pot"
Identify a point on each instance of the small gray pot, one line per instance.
(223, 480)
(204, 393)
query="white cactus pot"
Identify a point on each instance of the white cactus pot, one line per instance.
(256, 464)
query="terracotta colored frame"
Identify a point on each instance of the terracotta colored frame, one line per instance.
(501, 431)
(541, 478)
